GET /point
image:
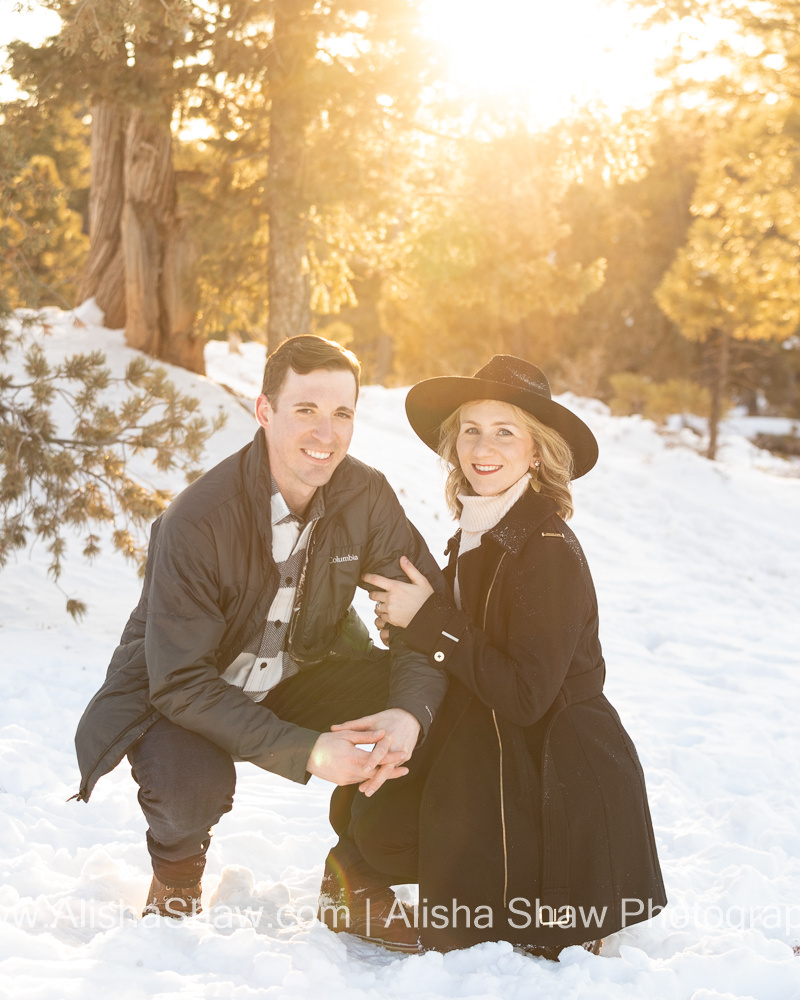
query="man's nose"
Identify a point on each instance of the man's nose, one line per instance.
(323, 429)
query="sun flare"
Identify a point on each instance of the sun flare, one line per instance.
(546, 56)
(543, 56)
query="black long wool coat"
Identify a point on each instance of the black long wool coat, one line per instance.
(532, 798)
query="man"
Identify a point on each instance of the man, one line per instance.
(244, 646)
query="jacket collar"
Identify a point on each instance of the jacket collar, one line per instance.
(527, 514)
(513, 531)
(258, 484)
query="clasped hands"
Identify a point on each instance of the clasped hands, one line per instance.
(336, 756)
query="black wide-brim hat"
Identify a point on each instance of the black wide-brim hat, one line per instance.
(510, 380)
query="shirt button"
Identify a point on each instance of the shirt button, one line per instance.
(278, 624)
(263, 665)
(438, 656)
(288, 581)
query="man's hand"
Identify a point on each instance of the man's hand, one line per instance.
(336, 758)
(401, 731)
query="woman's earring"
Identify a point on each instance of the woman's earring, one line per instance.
(536, 486)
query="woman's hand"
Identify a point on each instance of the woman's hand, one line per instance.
(397, 601)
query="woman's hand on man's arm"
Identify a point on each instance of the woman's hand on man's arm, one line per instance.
(397, 601)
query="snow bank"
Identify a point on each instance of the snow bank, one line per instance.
(696, 569)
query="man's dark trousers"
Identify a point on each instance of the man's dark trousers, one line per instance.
(186, 782)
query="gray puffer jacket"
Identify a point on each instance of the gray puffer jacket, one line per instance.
(208, 586)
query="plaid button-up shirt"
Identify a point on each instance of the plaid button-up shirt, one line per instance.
(265, 662)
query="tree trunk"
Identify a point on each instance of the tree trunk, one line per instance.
(718, 389)
(288, 282)
(104, 276)
(157, 249)
(182, 346)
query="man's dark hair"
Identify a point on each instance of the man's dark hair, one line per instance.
(304, 354)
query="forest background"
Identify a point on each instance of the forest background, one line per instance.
(256, 169)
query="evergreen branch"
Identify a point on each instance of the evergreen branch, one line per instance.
(51, 480)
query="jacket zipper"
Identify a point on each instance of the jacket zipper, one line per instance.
(500, 746)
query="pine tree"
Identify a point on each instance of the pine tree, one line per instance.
(58, 474)
(123, 60)
(757, 61)
(46, 246)
(629, 203)
(737, 278)
(302, 100)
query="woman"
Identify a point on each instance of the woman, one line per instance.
(525, 816)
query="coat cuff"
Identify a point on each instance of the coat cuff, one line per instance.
(423, 713)
(436, 629)
(288, 756)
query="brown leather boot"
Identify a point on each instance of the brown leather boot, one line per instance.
(354, 900)
(173, 901)
(376, 916)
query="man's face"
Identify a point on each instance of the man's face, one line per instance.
(308, 431)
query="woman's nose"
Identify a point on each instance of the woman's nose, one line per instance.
(482, 447)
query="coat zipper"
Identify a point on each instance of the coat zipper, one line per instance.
(500, 746)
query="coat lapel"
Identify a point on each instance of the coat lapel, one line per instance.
(527, 514)
(478, 566)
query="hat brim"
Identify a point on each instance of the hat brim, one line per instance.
(431, 402)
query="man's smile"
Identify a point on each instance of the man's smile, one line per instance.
(320, 456)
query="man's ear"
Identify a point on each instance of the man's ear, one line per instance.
(263, 411)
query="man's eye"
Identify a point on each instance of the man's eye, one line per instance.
(345, 415)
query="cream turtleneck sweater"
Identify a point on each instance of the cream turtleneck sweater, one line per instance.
(480, 514)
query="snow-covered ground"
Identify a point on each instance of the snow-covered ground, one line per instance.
(696, 566)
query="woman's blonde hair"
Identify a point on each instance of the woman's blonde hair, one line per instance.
(554, 454)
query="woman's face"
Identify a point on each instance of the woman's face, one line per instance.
(494, 448)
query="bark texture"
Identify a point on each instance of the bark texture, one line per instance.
(182, 346)
(157, 249)
(291, 53)
(104, 277)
